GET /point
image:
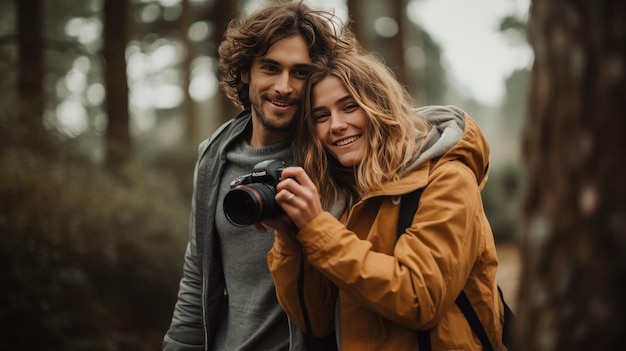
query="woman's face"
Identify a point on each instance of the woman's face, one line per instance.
(340, 123)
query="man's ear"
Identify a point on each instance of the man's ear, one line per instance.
(245, 77)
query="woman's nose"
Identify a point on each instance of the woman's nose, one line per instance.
(337, 122)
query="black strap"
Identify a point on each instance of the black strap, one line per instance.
(408, 207)
(305, 312)
(472, 318)
(324, 343)
(509, 322)
(423, 340)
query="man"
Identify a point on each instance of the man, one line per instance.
(226, 299)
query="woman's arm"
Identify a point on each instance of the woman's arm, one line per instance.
(417, 283)
(298, 282)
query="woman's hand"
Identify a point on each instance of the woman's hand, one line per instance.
(298, 196)
(281, 224)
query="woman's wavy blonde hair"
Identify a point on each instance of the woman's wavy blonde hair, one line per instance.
(393, 136)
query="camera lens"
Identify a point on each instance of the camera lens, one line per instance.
(248, 204)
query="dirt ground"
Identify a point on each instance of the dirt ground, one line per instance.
(508, 272)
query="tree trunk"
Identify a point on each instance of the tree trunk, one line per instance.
(118, 144)
(221, 14)
(574, 262)
(390, 48)
(396, 55)
(30, 65)
(186, 19)
(357, 18)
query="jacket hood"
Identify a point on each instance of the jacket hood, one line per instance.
(454, 135)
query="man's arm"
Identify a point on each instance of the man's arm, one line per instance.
(185, 331)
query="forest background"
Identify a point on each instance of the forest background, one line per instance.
(103, 105)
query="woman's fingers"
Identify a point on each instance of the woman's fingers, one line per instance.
(298, 196)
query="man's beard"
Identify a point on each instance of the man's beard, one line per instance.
(273, 125)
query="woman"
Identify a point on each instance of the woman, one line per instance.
(342, 267)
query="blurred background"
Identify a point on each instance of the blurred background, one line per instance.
(103, 104)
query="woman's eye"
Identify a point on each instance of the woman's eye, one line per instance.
(351, 107)
(321, 117)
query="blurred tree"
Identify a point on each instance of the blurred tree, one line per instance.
(222, 12)
(396, 59)
(118, 143)
(30, 65)
(189, 111)
(357, 17)
(574, 267)
(427, 76)
(515, 100)
(514, 23)
(501, 202)
(381, 27)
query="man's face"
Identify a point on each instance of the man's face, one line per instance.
(275, 84)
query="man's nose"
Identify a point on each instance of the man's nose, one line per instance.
(283, 84)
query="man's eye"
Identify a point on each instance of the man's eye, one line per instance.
(301, 74)
(269, 68)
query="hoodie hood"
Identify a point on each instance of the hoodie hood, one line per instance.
(453, 135)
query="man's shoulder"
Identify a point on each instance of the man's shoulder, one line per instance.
(229, 128)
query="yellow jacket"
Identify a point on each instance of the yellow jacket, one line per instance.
(387, 287)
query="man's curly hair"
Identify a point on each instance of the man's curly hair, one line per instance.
(252, 36)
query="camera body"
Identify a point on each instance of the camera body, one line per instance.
(251, 196)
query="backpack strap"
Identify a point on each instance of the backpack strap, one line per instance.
(472, 318)
(509, 322)
(408, 207)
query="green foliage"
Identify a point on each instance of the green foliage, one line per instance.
(89, 261)
(501, 197)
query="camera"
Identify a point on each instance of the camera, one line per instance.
(251, 196)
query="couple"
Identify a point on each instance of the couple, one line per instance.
(313, 97)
